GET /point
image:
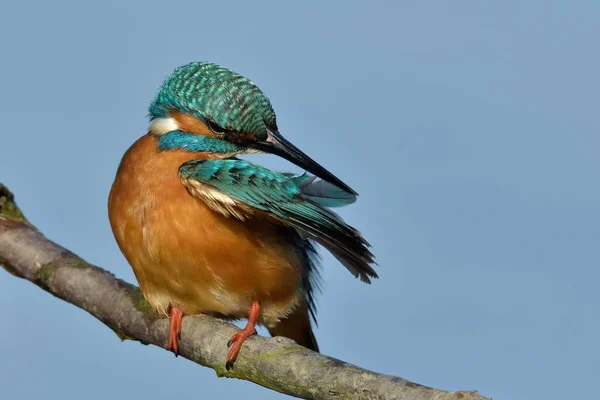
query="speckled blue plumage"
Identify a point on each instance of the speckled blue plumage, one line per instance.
(209, 91)
(288, 199)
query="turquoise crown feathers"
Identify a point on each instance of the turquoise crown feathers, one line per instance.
(211, 92)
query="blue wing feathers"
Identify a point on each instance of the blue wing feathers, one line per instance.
(293, 200)
(323, 192)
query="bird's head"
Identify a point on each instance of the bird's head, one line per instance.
(203, 107)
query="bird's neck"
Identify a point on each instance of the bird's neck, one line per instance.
(186, 132)
(145, 157)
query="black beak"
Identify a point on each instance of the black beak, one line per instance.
(278, 145)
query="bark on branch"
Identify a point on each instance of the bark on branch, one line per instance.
(276, 363)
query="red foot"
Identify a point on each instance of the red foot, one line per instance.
(236, 341)
(175, 320)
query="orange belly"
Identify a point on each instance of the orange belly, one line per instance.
(186, 255)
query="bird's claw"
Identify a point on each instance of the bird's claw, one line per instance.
(235, 344)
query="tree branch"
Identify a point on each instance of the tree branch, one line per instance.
(276, 363)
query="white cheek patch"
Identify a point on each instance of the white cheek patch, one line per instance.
(160, 126)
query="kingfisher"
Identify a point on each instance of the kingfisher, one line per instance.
(207, 232)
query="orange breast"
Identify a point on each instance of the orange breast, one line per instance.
(187, 255)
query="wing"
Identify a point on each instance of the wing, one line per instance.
(322, 192)
(240, 189)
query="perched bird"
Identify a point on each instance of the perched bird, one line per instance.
(207, 232)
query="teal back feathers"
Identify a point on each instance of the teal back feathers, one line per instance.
(214, 93)
(240, 175)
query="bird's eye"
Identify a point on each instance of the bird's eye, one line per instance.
(215, 128)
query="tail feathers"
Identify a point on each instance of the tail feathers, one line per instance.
(296, 326)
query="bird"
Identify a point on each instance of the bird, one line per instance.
(208, 232)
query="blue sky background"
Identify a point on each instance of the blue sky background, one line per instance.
(469, 128)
